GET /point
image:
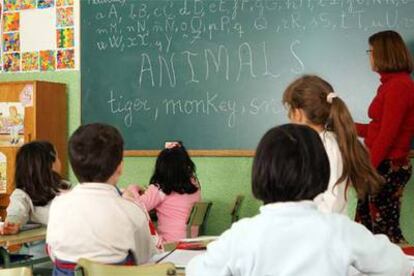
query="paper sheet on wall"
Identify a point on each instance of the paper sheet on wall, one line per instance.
(38, 29)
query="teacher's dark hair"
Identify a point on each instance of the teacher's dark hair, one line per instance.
(390, 54)
(290, 165)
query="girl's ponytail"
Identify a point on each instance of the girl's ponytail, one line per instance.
(357, 169)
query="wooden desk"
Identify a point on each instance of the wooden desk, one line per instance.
(38, 234)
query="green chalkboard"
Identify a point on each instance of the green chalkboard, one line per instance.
(212, 72)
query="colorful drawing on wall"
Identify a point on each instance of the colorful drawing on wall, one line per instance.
(64, 17)
(11, 42)
(43, 4)
(11, 124)
(65, 38)
(22, 49)
(66, 59)
(11, 62)
(11, 21)
(47, 60)
(3, 173)
(11, 5)
(26, 95)
(28, 4)
(30, 61)
(60, 3)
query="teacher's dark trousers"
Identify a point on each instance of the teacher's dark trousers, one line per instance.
(380, 213)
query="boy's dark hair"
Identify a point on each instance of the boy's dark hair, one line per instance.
(95, 151)
(34, 173)
(174, 171)
(290, 165)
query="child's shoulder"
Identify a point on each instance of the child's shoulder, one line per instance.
(133, 210)
(19, 193)
(155, 188)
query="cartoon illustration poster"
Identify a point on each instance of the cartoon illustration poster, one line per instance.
(3, 173)
(11, 124)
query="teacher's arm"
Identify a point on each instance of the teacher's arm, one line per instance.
(362, 129)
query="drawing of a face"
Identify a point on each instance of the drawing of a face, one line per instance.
(13, 111)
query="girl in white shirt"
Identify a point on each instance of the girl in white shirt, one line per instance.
(312, 101)
(290, 236)
(37, 182)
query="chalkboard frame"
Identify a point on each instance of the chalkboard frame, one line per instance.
(200, 153)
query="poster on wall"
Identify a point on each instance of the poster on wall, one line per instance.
(3, 173)
(11, 124)
(39, 35)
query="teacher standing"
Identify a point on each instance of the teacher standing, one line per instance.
(389, 133)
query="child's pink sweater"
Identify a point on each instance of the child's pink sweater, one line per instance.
(172, 210)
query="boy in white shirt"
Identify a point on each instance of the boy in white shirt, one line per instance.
(290, 237)
(93, 221)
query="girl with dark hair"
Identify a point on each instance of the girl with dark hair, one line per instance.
(173, 191)
(389, 133)
(37, 182)
(313, 102)
(290, 236)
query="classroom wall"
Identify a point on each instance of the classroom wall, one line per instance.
(222, 178)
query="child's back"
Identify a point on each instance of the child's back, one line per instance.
(173, 192)
(297, 239)
(93, 221)
(172, 211)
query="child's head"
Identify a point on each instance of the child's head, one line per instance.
(96, 152)
(290, 165)
(312, 100)
(174, 171)
(37, 168)
(308, 96)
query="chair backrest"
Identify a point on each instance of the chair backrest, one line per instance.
(235, 209)
(90, 268)
(18, 271)
(198, 216)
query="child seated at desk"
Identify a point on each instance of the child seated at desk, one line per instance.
(37, 183)
(172, 193)
(93, 221)
(290, 236)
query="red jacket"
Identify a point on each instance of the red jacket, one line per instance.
(391, 129)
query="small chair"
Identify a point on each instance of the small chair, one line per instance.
(235, 209)
(198, 217)
(18, 271)
(90, 268)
